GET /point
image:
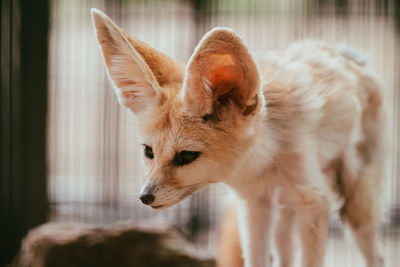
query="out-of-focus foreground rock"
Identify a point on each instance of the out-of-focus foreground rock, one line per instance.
(120, 245)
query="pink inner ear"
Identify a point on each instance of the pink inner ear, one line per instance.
(130, 94)
(225, 74)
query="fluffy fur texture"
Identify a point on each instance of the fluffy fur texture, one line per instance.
(295, 135)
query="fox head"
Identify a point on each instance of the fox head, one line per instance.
(197, 121)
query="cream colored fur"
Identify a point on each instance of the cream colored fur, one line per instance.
(296, 134)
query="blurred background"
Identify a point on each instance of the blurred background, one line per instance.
(89, 142)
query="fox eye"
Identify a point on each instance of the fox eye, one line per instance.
(185, 157)
(148, 152)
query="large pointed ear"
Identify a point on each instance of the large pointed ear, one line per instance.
(136, 70)
(221, 72)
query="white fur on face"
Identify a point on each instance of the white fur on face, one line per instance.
(221, 152)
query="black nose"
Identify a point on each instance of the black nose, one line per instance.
(147, 199)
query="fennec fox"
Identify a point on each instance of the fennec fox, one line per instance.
(292, 133)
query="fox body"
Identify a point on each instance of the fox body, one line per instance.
(293, 133)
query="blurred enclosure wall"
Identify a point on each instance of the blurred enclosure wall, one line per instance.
(23, 107)
(94, 164)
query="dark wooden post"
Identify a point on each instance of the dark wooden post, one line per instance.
(23, 105)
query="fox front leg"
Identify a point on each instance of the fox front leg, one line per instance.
(255, 224)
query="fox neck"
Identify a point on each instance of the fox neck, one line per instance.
(258, 158)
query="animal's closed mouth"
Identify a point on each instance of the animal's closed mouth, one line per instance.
(157, 207)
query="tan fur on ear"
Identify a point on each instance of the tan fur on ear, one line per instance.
(165, 69)
(221, 71)
(137, 71)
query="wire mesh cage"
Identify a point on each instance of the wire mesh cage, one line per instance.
(94, 155)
